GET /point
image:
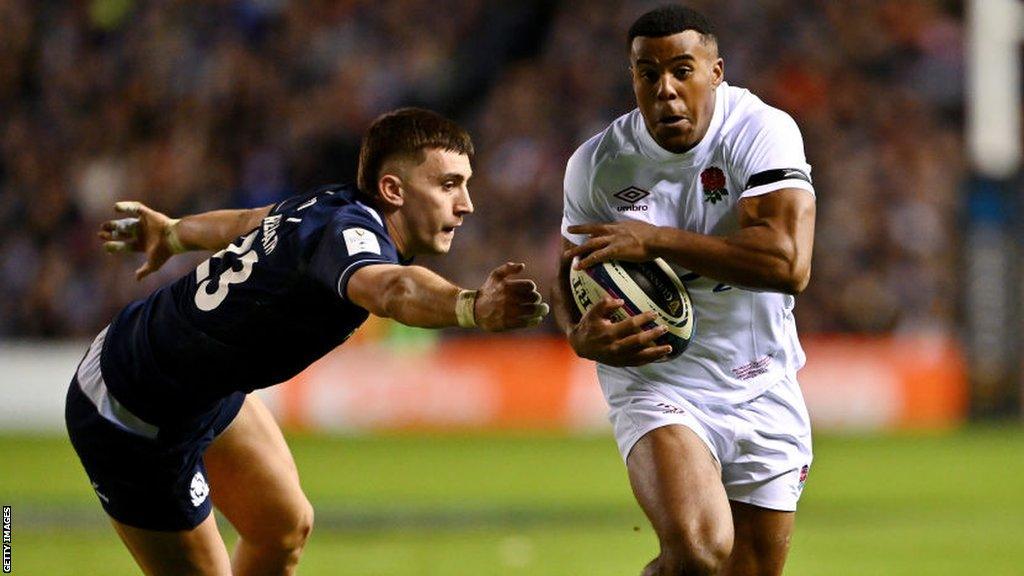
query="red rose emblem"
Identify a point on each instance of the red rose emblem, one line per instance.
(712, 179)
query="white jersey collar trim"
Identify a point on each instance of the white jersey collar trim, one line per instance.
(650, 148)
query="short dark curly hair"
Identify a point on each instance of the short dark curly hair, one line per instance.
(668, 20)
(406, 132)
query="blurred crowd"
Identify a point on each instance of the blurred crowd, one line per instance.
(191, 106)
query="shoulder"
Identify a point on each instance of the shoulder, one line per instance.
(748, 118)
(615, 140)
(334, 207)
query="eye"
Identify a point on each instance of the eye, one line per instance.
(649, 75)
(448, 186)
(683, 72)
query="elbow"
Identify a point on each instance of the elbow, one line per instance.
(393, 296)
(794, 280)
(799, 284)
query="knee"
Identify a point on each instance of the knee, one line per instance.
(297, 531)
(287, 532)
(700, 550)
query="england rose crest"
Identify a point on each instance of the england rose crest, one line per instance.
(713, 182)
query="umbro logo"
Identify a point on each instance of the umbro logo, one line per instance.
(632, 195)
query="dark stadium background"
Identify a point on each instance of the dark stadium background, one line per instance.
(192, 106)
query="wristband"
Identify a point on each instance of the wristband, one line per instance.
(464, 305)
(171, 236)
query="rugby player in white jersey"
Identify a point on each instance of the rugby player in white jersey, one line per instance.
(717, 441)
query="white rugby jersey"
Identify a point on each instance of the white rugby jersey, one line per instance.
(745, 340)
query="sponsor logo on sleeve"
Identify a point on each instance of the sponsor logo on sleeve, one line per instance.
(358, 240)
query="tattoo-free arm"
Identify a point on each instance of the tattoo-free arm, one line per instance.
(416, 296)
(563, 306)
(215, 230)
(161, 237)
(771, 250)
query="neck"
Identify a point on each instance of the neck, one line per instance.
(394, 224)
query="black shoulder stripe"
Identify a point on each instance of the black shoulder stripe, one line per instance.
(772, 176)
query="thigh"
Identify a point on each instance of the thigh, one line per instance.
(140, 482)
(773, 452)
(253, 477)
(199, 551)
(761, 542)
(678, 484)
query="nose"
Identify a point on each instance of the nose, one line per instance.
(464, 205)
(665, 88)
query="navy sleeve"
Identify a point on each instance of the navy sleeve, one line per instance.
(353, 239)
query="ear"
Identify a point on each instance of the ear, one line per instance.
(717, 72)
(390, 188)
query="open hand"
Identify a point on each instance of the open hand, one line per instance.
(144, 230)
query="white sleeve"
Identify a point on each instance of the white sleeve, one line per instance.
(578, 206)
(769, 155)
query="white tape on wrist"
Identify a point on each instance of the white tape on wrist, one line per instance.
(171, 235)
(464, 308)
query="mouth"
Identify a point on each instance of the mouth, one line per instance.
(672, 120)
(450, 229)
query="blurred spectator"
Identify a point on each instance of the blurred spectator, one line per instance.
(193, 106)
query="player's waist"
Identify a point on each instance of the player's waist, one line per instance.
(89, 378)
(702, 382)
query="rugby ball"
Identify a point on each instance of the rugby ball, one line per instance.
(642, 286)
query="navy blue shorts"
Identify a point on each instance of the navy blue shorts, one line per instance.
(141, 478)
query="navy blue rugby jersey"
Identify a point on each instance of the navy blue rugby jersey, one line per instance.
(252, 315)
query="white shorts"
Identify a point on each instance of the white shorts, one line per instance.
(763, 444)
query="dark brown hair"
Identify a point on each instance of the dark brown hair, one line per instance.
(407, 132)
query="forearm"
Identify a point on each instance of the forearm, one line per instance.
(566, 314)
(215, 230)
(415, 296)
(753, 257)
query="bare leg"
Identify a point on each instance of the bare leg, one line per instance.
(762, 540)
(678, 484)
(255, 484)
(196, 552)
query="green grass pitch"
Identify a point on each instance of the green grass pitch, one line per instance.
(913, 504)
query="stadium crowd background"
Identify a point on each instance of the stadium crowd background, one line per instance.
(193, 106)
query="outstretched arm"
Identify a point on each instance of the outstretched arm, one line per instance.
(415, 296)
(160, 237)
(771, 250)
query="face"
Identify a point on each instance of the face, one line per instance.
(674, 79)
(434, 200)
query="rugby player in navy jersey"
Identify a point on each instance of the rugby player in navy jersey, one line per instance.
(159, 410)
